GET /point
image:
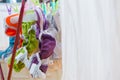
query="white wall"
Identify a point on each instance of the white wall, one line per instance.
(3, 37)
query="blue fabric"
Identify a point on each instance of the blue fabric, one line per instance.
(8, 51)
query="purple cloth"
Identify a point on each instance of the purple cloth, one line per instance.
(47, 43)
(34, 60)
(44, 68)
(46, 46)
(37, 32)
(46, 25)
(37, 25)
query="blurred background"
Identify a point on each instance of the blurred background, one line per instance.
(8, 1)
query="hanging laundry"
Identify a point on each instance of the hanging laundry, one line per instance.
(10, 30)
(37, 38)
(8, 51)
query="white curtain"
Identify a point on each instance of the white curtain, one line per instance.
(90, 39)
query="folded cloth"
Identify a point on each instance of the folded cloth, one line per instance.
(21, 54)
(34, 68)
(4, 54)
(29, 40)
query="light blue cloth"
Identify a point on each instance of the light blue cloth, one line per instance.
(8, 51)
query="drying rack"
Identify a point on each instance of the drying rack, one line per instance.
(16, 43)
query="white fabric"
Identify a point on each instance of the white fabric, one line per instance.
(90, 39)
(4, 41)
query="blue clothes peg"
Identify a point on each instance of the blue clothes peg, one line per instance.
(44, 8)
(50, 2)
(53, 5)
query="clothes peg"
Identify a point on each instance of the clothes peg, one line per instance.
(41, 1)
(44, 8)
(53, 5)
(9, 9)
(48, 8)
(56, 5)
(14, 7)
(36, 2)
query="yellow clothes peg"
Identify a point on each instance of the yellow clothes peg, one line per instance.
(53, 7)
(36, 3)
(15, 8)
(48, 8)
(57, 5)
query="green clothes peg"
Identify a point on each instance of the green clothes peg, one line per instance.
(15, 8)
(44, 8)
(56, 5)
(29, 12)
(48, 8)
(36, 2)
(53, 5)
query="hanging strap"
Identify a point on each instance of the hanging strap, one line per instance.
(17, 39)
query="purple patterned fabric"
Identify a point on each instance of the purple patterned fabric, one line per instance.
(47, 43)
(37, 32)
(44, 68)
(34, 60)
(46, 46)
(37, 25)
(46, 25)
